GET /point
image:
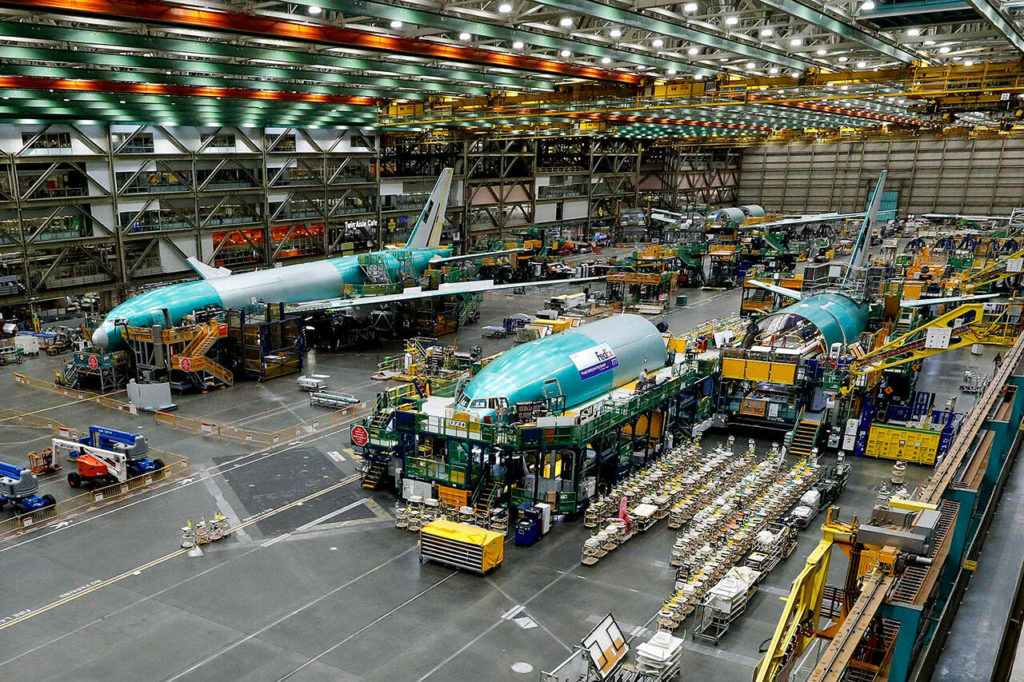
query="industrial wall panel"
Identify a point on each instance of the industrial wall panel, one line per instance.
(931, 174)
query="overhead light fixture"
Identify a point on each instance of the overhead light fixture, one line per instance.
(314, 10)
(690, 7)
(671, 72)
(518, 45)
(565, 53)
(464, 36)
(698, 77)
(821, 52)
(731, 21)
(844, 59)
(723, 59)
(606, 60)
(505, 7)
(796, 42)
(693, 51)
(751, 66)
(913, 32)
(565, 22)
(396, 24)
(968, 62)
(658, 42)
(615, 33)
(774, 70)
(862, 65)
(766, 32)
(944, 49)
(867, 6)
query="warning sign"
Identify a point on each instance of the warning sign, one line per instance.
(360, 436)
(186, 365)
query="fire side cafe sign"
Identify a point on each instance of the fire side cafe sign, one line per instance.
(594, 360)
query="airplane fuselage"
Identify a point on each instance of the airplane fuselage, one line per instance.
(288, 284)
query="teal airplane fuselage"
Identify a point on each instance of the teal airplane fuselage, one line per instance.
(326, 279)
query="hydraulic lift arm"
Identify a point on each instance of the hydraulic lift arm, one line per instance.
(116, 462)
(968, 324)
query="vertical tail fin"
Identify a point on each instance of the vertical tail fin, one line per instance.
(426, 233)
(860, 249)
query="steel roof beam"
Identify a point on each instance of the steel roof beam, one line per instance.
(246, 52)
(841, 28)
(48, 83)
(203, 109)
(255, 88)
(198, 102)
(647, 23)
(264, 73)
(262, 26)
(157, 121)
(996, 15)
(457, 24)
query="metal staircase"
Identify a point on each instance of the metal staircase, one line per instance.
(373, 474)
(804, 437)
(488, 496)
(205, 373)
(469, 309)
(380, 420)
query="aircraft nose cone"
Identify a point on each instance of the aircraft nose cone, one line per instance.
(99, 338)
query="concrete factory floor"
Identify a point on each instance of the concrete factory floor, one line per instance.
(328, 589)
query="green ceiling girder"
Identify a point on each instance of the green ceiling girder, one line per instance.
(479, 28)
(335, 79)
(32, 107)
(212, 123)
(172, 79)
(36, 104)
(251, 52)
(200, 102)
(849, 30)
(644, 22)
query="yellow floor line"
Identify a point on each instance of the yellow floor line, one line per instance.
(156, 562)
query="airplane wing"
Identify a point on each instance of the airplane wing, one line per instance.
(776, 289)
(473, 256)
(206, 271)
(920, 302)
(802, 220)
(410, 293)
(956, 216)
